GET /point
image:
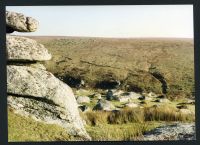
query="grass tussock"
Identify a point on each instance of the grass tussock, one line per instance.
(136, 115)
(126, 116)
(94, 118)
(166, 114)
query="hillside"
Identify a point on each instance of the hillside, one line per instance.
(163, 66)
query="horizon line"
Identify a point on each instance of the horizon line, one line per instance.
(105, 37)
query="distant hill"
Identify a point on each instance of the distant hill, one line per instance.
(160, 65)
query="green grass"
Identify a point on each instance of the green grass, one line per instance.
(119, 132)
(26, 129)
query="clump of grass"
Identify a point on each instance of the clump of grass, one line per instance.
(166, 114)
(126, 115)
(94, 118)
(136, 115)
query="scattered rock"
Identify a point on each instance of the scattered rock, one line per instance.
(19, 22)
(123, 99)
(117, 92)
(132, 105)
(104, 105)
(98, 96)
(109, 95)
(178, 131)
(142, 98)
(25, 49)
(152, 95)
(83, 99)
(131, 95)
(148, 98)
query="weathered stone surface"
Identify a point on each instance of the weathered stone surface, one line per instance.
(132, 105)
(83, 99)
(123, 98)
(19, 22)
(132, 95)
(41, 85)
(117, 92)
(151, 94)
(104, 105)
(98, 96)
(25, 49)
(178, 131)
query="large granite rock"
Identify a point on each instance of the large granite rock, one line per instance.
(19, 22)
(25, 49)
(44, 96)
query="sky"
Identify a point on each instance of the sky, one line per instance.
(111, 21)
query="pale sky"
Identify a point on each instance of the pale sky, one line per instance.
(111, 21)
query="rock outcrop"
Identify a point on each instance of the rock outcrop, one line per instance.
(19, 22)
(33, 91)
(25, 49)
(178, 131)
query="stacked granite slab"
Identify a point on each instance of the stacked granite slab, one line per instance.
(33, 91)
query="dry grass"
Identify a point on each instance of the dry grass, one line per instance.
(94, 118)
(120, 132)
(166, 114)
(26, 129)
(129, 115)
(126, 115)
